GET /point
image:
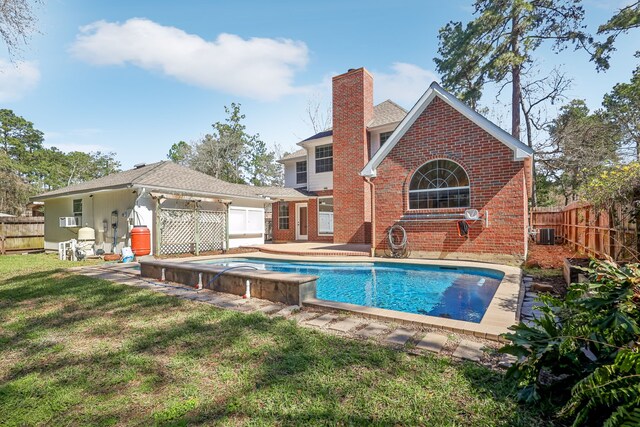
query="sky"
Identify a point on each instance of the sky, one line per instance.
(135, 77)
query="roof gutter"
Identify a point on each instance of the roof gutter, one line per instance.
(77, 192)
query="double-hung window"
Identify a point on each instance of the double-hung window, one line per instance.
(301, 172)
(384, 136)
(77, 210)
(324, 158)
(283, 216)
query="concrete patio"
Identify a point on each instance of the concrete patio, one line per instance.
(315, 249)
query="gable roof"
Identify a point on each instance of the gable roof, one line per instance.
(171, 177)
(520, 150)
(385, 113)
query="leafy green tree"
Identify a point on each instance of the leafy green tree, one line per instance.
(263, 168)
(581, 144)
(233, 155)
(624, 20)
(498, 45)
(18, 138)
(180, 153)
(623, 109)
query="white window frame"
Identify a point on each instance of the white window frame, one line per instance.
(428, 190)
(245, 228)
(315, 152)
(325, 233)
(77, 214)
(306, 176)
(288, 216)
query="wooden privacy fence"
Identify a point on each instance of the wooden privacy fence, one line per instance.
(588, 231)
(21, 234)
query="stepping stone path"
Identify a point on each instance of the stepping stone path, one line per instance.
(469, 350)
(372, 330)
(346, 325)
(303, 316)
(432, 342)
(287, 311)
(270, 308)
(400, 336)
(323, 320)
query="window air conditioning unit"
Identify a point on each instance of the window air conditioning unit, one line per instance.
(69, 221)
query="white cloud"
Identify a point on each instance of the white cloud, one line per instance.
(259, 68)
(17, 79)
(404, 85)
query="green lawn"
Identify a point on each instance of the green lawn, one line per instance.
(78, 351)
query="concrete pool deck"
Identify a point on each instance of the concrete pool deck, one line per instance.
(501, 313)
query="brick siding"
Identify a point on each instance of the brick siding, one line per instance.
(352, 110)
(497, 184)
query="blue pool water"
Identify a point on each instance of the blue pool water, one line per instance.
(456, 293)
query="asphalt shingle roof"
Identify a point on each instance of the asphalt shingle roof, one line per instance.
(172, 177)
(295, 155)
(387, 112)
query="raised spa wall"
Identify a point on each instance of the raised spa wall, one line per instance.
(286, 288)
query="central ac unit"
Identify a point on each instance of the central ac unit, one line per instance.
(69, 221)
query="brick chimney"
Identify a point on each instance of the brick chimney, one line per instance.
(352, 110)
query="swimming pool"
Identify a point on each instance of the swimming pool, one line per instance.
(461, 293)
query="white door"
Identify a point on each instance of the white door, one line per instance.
(302, 221)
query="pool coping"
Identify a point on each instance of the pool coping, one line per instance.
(499, 316)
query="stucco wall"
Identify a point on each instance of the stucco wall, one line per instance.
(95, 210)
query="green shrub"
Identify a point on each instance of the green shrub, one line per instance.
(583, 353)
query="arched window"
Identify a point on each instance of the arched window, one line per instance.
(439, 184)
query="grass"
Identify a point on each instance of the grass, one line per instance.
(82, 351)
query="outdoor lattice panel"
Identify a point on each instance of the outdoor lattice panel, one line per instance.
(177, 231)
(212, 229)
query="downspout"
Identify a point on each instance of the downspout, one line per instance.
(373, 214)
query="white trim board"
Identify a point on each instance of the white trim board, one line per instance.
(520, 150)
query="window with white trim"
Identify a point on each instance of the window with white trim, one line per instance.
(77, 210)
(384, 136)
(301, 172)
(246, 221)
(325, 215)
(324, 158)
(283, 216)
(439, 184)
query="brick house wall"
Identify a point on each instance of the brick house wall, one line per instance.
(280, 235)
(352, 111)
(497, 185)
(290, 234)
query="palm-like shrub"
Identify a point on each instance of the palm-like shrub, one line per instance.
(583, 352)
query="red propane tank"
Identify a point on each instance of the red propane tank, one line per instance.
(140, 240)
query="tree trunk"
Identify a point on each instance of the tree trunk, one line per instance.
(516, 91)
